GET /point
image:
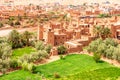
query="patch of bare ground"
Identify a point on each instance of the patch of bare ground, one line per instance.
(42, 61)
(5, 32)
(48, 60)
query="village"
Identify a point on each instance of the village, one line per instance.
(74, 27)
(69, 25)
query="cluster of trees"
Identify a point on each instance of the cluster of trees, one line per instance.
(18, 40)
(104, 15)
(26, 61)
(14, 21)
(102, 32)
(108, 48)
(5, 54)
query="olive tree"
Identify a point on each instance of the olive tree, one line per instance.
(110, 52)
(93, 46)
(48, 48)
(116, 54)
(5, 53)
(39, 45)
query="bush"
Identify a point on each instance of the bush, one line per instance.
(39, 45)
(17, 23)
(96, 57)
(4, 65)
(1, 24)
(34, 69)
(48, 48)
(5, 54)
(42, 54)
(61, 49)
(28, 66)
(33, 57)
(56, 75)
(24, 65)
(62, 57)
(13, 63)
(107, 48)
(10, 23)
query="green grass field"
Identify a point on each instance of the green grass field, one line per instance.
(20, 75)
(111, 73)
(73, 67)
(72, 64)
(21, 51)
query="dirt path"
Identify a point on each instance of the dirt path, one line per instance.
(5, 32)
(53, 58)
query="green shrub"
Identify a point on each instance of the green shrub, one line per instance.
(33, 69)
(56, 75)
(29, 67)
(33, 56)
(5, 54)
(43, 54)
(61, 49)
(17, 23)
(1, 24)
(19, 62)
(96, 57)
(24, 65)
(48, 48)
(62, 57)
(13, 63)
(39, 45)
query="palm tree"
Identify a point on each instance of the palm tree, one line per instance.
(102, 32)
(14, 39)
(97, 31)
(26, 36)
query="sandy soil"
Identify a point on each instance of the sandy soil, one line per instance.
(5, 32)
(53, 58)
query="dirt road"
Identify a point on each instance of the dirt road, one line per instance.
(5, 32)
